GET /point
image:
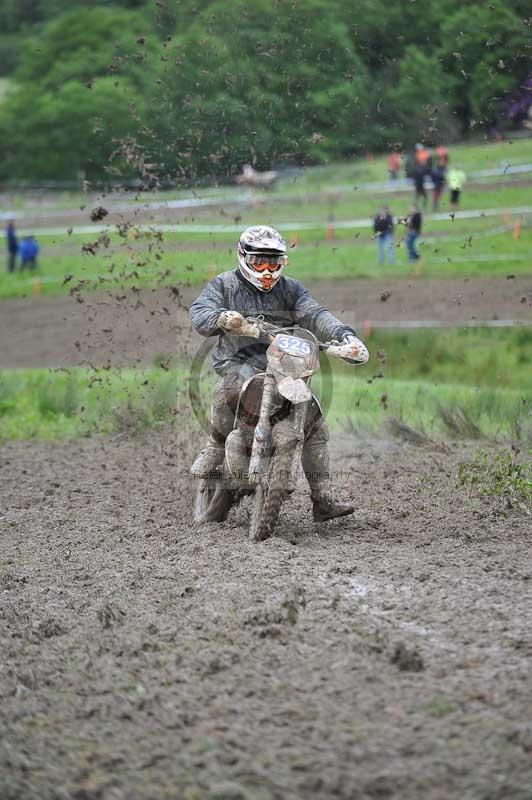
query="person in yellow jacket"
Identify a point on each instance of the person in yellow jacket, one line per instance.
(456, 179)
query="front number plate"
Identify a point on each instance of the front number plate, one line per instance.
(293, 345)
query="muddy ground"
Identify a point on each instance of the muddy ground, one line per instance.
(131, 327)
(385, 655)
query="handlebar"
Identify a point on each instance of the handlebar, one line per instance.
(271, 331)
(353, 352)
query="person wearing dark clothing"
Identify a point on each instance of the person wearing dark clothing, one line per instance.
(414, 222)
(438, 182)
(12, 246)
(419, 184)
(383, 230)
(28, 250)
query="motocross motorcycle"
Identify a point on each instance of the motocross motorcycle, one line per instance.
(263, 451)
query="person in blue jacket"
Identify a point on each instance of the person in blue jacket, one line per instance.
(28, 250)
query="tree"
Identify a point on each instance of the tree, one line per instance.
(65, 134)
(84, 44)
(421, 102)
(486, 51)
(259, 83)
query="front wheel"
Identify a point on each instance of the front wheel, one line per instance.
(269, 496)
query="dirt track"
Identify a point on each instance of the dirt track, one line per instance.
(383, 656)
(130, 327)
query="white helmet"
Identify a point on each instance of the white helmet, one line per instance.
(261, 256)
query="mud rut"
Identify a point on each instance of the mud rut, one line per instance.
(381, 656)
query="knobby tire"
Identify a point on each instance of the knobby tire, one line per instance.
(269, 496)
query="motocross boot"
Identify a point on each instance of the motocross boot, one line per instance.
(212, 456)
(315, 460)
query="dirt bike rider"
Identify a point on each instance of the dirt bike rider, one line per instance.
(257, 287)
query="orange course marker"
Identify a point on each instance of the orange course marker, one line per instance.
(516, 230)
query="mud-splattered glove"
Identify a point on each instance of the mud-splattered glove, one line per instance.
(351, 350)
(233, 322)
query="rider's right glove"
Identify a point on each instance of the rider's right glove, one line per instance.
(352, 350)
(233, 322)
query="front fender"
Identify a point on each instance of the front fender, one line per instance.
(294, 389)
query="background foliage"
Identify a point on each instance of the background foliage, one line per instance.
(181, 90)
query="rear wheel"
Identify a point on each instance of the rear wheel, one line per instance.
(269, 496)
(212, 501)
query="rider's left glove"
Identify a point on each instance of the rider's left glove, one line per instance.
(360, 351)
(352, 350)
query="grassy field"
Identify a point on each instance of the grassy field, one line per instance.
(486, 357)
(49, 404)
(446, 251)
(481, 379)
(340, 202)
(302, 208)
(41, 404)
(472, 157)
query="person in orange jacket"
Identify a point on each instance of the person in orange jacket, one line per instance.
(394, 165)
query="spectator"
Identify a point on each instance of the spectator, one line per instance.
(442, 157)
(421, 156)
(419, 185)
(457, 178)
(12, 246)
(383, 230)
(438, 181)
(394, 165)
(408, 163)
(422, 165)
(28, 250)
(413, 222)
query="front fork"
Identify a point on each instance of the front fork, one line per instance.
(263, 433)
(299, 413)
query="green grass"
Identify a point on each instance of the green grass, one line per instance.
(438, 380)
(472, 157)
(488, 357)
(455, 253)
(493, 412)
(312, 198)
(48, 404)
(472, 382)
(504, 476)
(358, 204)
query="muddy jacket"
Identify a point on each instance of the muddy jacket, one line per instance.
(286, 304)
